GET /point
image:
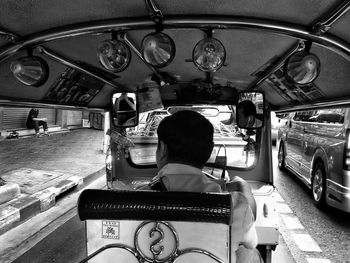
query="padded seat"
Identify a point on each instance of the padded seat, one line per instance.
(151, 226)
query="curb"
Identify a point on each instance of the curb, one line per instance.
(26, 206)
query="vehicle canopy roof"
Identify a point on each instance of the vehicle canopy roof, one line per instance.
(258, 36)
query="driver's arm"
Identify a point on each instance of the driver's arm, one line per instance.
(243, 225)
(240, 185)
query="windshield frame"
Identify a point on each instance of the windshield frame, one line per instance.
(237, 142)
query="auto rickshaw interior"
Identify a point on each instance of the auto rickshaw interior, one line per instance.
(171, 55)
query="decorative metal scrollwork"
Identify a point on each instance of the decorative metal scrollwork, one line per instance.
(150, 245)
(153, 249)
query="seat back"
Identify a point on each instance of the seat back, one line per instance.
(151, 226)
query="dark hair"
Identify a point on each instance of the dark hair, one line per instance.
(248, 107)
(188, 136)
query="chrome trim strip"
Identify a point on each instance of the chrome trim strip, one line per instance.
(325, 104)
(220, 22)
(306, 167)
(290, 156)
(299, 175)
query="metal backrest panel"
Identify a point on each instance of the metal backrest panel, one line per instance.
(154, 205)
(157, 241)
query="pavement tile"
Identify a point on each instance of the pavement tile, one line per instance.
(306, 243)
(34, 180)
(283, 208)
(291, 222)
(317, 260)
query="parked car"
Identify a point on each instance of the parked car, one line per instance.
(315, 146)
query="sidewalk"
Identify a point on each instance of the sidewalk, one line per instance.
(44, 169)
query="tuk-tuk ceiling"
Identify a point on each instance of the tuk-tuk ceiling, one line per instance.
(28, 17)
(249, 51)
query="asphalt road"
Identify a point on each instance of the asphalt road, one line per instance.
(66, 244)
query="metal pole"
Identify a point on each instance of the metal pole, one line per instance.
(138, 53)
(325, 24)
(74, 65)
(328, 41)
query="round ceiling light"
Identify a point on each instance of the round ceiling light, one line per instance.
(209, 55)
(302, 68)
(158, 49)
(31, 71)
(114, 55)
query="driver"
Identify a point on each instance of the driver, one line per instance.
(125, 109)
(185, 143)
(246, 114)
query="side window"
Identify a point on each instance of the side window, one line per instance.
(333, 118)
(328, 116)
(303, 115)
(314, 117)
(297, 116)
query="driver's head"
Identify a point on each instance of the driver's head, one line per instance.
(247, 112)
(184, 137)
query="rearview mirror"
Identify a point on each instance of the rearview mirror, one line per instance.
(125, 109)
(250, 110)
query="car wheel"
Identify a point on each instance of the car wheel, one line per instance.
(318, 185)
(281, 158)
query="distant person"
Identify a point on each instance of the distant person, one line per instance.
(185, 143)
(33, 122)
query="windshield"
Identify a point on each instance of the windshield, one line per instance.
(230, 141)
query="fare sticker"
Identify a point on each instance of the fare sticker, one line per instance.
(110, 229)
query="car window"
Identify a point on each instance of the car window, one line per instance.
(226, 133)
(303, 115)
(328, 116)
(321, 116)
